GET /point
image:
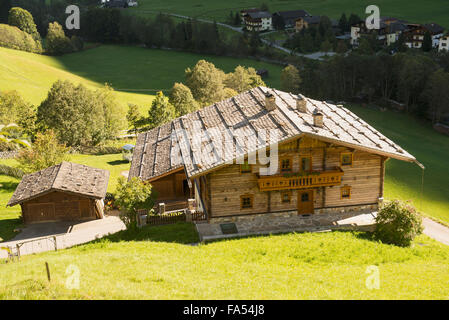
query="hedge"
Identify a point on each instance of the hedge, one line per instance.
(11, 171)
(14, 38)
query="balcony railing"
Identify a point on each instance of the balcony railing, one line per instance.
(301, 180)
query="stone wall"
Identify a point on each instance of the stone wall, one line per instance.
(276, 221)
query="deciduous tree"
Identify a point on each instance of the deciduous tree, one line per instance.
(290, 79)
(182, 99)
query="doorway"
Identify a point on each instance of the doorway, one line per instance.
(305, 202)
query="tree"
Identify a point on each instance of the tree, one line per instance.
(5, 6)
(326, 46)
(353, 19)
(23, 20)
(437, 94)
(132, 196)
(343, 23)
(45, 152)
(182, 99)
(427, 42)
(264, 7)
(133, 116)
(79, 116)
(237, 19)
(243, 79)
(12, 137)
(161, 111)
(290, 79)
(206, 82)
(278, 22)
(56, 42)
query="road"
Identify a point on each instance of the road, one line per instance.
(313, 56)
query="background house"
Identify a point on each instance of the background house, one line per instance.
(289, 17)
(64, 192)
(256, 20)
(444, 43)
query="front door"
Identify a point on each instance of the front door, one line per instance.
(305, 201)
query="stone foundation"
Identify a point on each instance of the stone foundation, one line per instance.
(286, 220)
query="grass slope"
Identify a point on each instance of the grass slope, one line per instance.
(292, 266)
(411, 10)
(403, 180)
(136, 73)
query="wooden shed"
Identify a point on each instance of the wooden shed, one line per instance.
(64, 192)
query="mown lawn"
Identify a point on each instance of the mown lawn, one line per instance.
(411, 10)
(403, 180)
(291, 266)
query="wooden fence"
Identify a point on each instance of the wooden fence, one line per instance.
(173, 217)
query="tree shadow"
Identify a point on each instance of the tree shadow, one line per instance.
(7, 227)
(8, 187)
(118, 162)
(181, 232)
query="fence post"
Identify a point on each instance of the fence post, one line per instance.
(191, 204)
(56, 245)
(188, 214)
(161, 208)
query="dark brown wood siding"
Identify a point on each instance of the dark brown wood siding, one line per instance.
(58, 206)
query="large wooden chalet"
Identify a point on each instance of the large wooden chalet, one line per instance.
(331, 162)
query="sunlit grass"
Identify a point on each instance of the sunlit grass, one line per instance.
(292, 266)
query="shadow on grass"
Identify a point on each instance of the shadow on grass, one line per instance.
(7, 227)
(8, 187)
(117, 162)
(181, 232)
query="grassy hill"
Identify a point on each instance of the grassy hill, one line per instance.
(293, 266)
(411, 10)
(135, 73)
(403, 179)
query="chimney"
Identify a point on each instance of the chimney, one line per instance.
(317, 119)
(301, 104)
(270, 101)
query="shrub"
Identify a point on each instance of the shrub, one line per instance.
(57, 43)
(11, 171)
(132, 196)
(23, 20)
(398, 223)
(45, 152)
(14, 38)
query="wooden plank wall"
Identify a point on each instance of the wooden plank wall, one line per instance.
(62, 206)
(228, 184)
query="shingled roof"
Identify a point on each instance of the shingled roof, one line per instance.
(65, 177)
(242, 116)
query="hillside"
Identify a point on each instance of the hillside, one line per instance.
(159, 265)
(411, 10)
(135, 73)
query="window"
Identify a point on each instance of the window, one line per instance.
(285, 196)
(345, 192)
(246, 201)
(346, 159)
(245, 167)
(306, 163)
(305, 197)
(286, 165)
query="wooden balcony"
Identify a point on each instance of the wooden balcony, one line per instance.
(301, 180)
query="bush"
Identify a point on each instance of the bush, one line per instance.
(131, 196)
(14, 38)
(57, 43)
(398, 223)
(23, 20)
(11, 171)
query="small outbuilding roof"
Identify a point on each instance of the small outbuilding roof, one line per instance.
(65, 177)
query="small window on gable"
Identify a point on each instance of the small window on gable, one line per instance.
(345, 192)
(246, 201)
(346, 159)
(286, 165)
(245, 167)
(285, 196)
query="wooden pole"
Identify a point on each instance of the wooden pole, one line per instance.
(48, 271)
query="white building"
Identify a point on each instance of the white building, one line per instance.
(444, 43)
(257, 20)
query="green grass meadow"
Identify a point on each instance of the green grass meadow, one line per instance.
(411, 10)
(135, 73)
(334, 265)
(404, 180)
